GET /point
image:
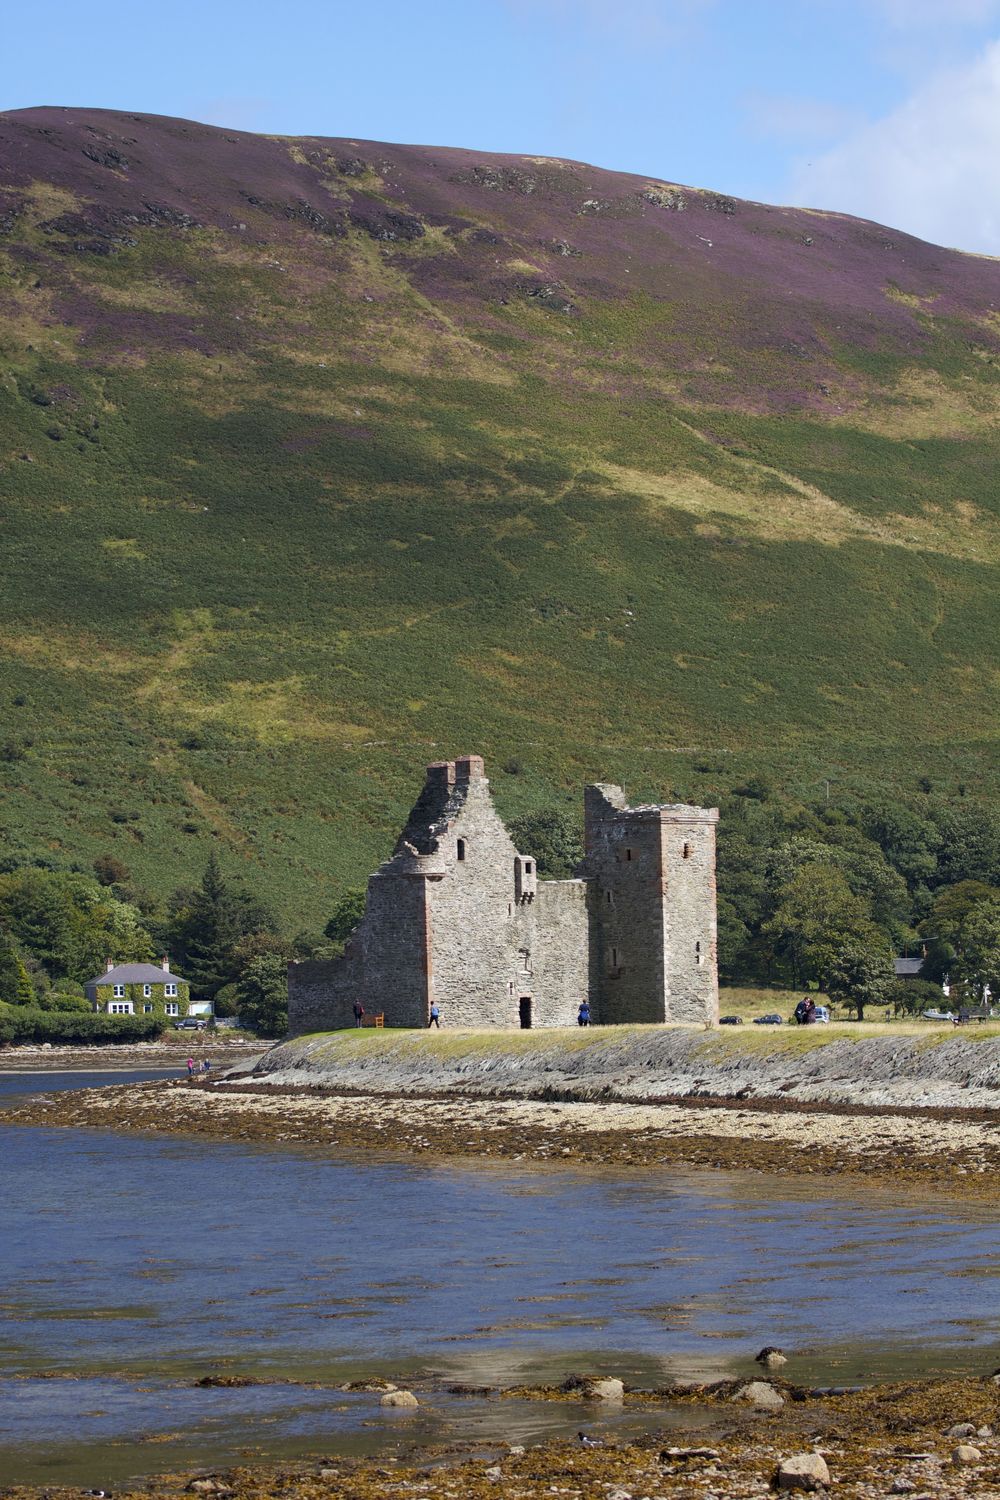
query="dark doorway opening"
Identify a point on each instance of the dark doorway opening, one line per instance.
(524, 1012)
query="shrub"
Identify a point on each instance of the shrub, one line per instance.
(26, 1025)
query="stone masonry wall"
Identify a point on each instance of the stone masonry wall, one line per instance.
(391, 938)
(561, 943)
(479, 931)
(320, 995)
(458, 917)
(626, 907)
(690, 926)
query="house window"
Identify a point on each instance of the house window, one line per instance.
(461, 848)
(118, 990)
(120, 1007)
(147, 990)
(147, 1010)
(173, 1010)
(170, 989)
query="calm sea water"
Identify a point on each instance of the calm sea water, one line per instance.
(134, 1266)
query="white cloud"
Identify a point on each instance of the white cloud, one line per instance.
(929, 167)
(775, 118)
(911, 15)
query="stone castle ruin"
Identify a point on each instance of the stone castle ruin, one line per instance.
(459, 917)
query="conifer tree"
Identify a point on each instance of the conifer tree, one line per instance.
(207, 932)
(15, 985)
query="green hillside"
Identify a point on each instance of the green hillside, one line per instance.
(290, 509)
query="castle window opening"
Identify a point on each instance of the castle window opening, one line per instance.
(687, 851)
(697, 953)
(628, 854)
(614, 958)
(611, 899)
(527, 867)
(461, 849)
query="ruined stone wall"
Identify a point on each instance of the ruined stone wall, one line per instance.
(482, 937)
(561, 943)
(321, 993)
(626, 910)
(392, 941)
(690, 926)
(458, 917)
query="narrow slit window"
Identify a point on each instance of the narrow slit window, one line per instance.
(527, 867)
(628, 854)
(611, 899)
(687, 851)
(461, 848)
(614, 958)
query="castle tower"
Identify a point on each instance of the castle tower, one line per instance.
(652, 910)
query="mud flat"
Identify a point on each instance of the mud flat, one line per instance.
(954, 1150)
(936, 1439)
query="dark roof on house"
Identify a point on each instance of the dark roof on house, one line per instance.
(136, 974)
(907, 968)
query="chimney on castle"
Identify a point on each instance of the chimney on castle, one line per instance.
(441, 773)
(470, 768)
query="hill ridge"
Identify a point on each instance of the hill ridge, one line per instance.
(319, 457)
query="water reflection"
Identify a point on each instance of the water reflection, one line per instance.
(140, 1261)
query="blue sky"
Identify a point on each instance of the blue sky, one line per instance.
(885, 108)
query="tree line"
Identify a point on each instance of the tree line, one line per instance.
(810, 894)
(824, 894)
(59, 928)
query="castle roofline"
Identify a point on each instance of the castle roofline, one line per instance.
(672, 812)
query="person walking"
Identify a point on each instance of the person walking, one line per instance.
(583, 1014)
(435, 1019)
(190, 1067)
(359, 1013)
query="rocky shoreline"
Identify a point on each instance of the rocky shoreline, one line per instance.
(902, 1066)
(952, 1151)
(937, 1439)
(221, 1049)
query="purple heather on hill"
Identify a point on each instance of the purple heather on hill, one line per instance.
(473, 231)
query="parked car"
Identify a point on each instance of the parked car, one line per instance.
(730, 1020)
(771, 1020)
(821, 1016)
(191, 1023)
(939, 1015)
